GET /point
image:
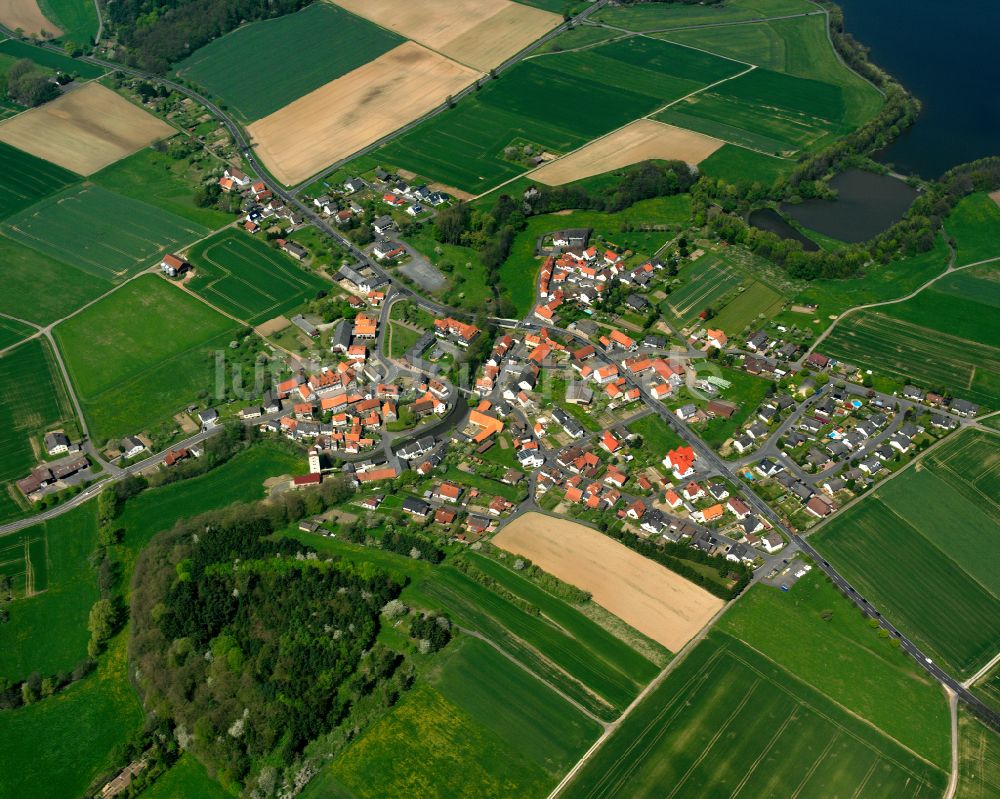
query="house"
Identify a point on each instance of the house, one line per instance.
(716, 338)
(251, 412)
(175, 456)
(131, 446)
(447, 492)
(306, 481)
(750, 525)
(383, 225)
(768, 467)
(963, 407)
(56, 443)
(680, 461)
(173, 265)
(297, 251)
(610, 442)
(738, 508)
(305, 326)
(817, 361)
(740, 553)
(742, 443)
(445, 516)
(685, 412)
(772, 542)
(710, 514)
(416, 507)
(820, 506)
(354, 185)
(579, 394)
(208, 418)
(722, 408)
(362, 283)
(530, 458)
(693, 491)
(372, 502)
(387, 250)
(718, 491)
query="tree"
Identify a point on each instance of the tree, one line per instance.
(101, 623)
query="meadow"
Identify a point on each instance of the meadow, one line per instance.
(649, 17)
(978, 758)
(728, 720)
(249, 279)
(975, 226)
(754, 305)
(25, 179)
(707, 280)
(50, 59)
(820, 637)
(953, 611)
(77, 19)
(140, 354)
(291, 56)
(81, 227)
(185, 779)
(737, 165)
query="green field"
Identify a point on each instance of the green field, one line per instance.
(707, 280)
(656, 435)
(50, 59)
(290, 55)
(25, 180)
(845, 659)
(248, 279)
(934, 521)
(737, 165)
(480, 726)
(82, 227)
(551, 100)
(653, 16)
(76, 18)
(141, 354)
(975, 226)
(757, 303)
(12, 331)
(24, 561)
(185, 779)
(987, 688)
(978, 758)
(729, 721)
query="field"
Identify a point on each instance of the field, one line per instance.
(729, 721)
(738, 165)
(649, 17)
(953, 611)
(839, 654)
(26, 15)
(978, 759)
(479, 726)
(186, 778)
(82, 227)
(77, 18)
(975, 226)
(552, 101)
(25, 179)
(248, 279)
(655, 601)
(708, 280)
(639, 141)
(140, 354)
(298, 53)
(50, 59)
(987, 688)
(355, 110)
(33, 399)
(84, 130)
(755, 304)
(479, 33)
(12, 331)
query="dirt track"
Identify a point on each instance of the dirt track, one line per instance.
(654, 600)
(26, 15)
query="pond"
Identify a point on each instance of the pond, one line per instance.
(866, 205)
(770, 220)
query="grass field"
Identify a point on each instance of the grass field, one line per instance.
(480, 726)
(757, 303)
(649, 17)
(25, 180)
(978, 759)
(187, 778)
(953, 611)
(50, 59)
(729, 721)
(975, 226)
(141, 354)
(845, 659)
(550, 100)
(248, 279)
(29, 277)
(33, 399)
(82, 227)
(708, 280)
(297, 53)
(738, 165)
(76, 18)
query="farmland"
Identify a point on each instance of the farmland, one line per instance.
(708, 280)
(975, 226)
(25, 179)
(987, 687)
(978, 759)
(26, 15)
(12, 331)
(757, 302)
(140, 354)
(77, 20)
(248, 279)
(50, 59)
(737, 164)
(953, 612)
(649, 17)
(815, 633)
(729, 720)
(80, 226)
(298, 52)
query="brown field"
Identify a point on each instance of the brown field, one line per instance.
(84, 130)
(638, 141)
(26, 15)
(652, 599)
(350, 112)
(480, 33)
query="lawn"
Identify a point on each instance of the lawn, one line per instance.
(975, 226)
(479, 726)
(291, 56)
(50, 59)
(29, 277)
(400, 339)
(953, 610)
(82, 227)
(141, 354)
(25, 179)
(728, 720)
(845, 659)
(158, 179)
(249, 279)
(738, 165)
(707, 281)
(747, 391)
(186, 779)
(978, 758)
(76, 18)
(656, 434)
(753, 306)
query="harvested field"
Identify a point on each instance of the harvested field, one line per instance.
(654, 600)
(26, 14)
(346, 114)
(84, 130)
(641, 140)
(479, 33)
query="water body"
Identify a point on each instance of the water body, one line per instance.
(770, 220)
(945, 54)
(866, 205)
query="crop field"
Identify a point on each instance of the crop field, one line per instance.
(953, 611)
(480, 726)
(84, 130)
(50, 59)
(755, 304)
(987, 688)
(819, 636)
(297, 52)
(26, 15)
(649, 17)
(23, 560)
(708, 280)
(140, 354)
(81, 227)
(907, 352)
(738, 165)
(248, 279)
(25, 179)
(975, 226)
(978, 758)
(550, 100)
(729, 721)
(12, 331)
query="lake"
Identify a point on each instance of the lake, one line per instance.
(945, 54)
(770, 220)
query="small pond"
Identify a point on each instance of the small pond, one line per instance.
(770, 220)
